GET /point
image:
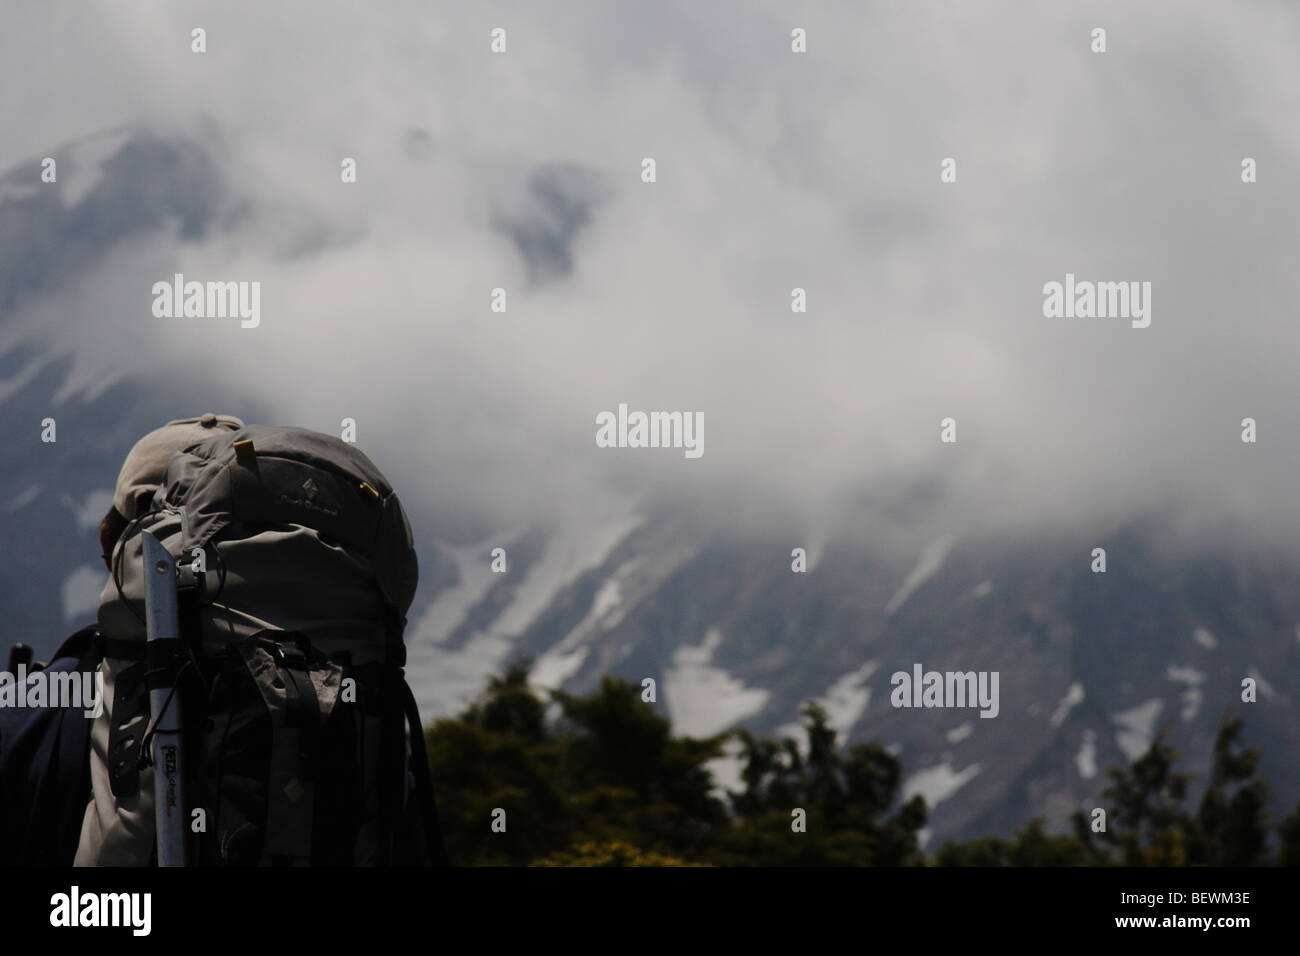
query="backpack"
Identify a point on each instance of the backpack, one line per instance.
(44, 771)
(302, 741)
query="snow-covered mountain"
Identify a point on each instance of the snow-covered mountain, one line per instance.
(1090, 665)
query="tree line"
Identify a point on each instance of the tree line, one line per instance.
(601, 780)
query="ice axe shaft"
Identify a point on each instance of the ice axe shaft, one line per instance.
(162, 623)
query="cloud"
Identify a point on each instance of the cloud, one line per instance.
(776, 171)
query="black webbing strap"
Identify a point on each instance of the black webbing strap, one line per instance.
(428, 806)
(391, 763)
(302, 709)
(130, 716)
(118, 650)
(394, 627)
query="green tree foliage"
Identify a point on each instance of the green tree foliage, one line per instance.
(1231, 826)
(846, 799)
(1288, 853)
(607, 783)
(609, 853)
(1031, 846)
(604, 782)
(1148, 822)
(500, 753)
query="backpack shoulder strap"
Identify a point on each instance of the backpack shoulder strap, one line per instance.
(45, 770)
(81, 644)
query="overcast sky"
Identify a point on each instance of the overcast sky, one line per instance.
(775, 170)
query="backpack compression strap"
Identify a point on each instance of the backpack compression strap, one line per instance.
(423, 782)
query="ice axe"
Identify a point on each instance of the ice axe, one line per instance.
(162, 622)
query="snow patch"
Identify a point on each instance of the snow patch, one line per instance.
(981, 590)
(704, 699)
(1072, 699)
(562, 660)
(553, 669)
(1266, 690)
(1204, 638)
(474, 577)
(1184, 675)
(795, 732)
(1139, 727)
(727, 770)
(606, 605)
(959, 733)
(1191, 697)
(938, 783)
(932, 559)
(846, 700)
(569, 553)
(1086, 759)
(444, 679)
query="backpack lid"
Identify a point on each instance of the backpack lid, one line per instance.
(146, 463)
(279, 475)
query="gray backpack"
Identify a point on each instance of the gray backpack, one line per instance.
(303, 745)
